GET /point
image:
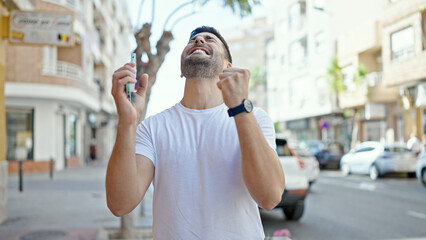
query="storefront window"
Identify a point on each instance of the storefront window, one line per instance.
(72, 121)
(19, 134)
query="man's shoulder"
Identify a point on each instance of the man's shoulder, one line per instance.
(163, 114)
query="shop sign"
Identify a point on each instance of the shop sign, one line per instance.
(47, 28)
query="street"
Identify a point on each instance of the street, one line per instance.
(355, 207)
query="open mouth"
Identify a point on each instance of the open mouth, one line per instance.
(199, 50)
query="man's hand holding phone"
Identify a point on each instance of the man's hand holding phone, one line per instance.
(128, 112)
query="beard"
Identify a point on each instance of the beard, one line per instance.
(194, 66)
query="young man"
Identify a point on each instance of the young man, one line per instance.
(210, 157)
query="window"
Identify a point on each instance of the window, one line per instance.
(365, 149)
(348, 73)
(251, 44)
(283, 150)
(72, 121)
(319, 42)
(296, 15)
(19, 134)
(299, 53)
(397, 149)
(402, 43)
(319, 4)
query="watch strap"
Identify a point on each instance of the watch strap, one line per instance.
(236, 110)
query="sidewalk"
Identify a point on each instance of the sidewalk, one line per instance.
(71, 206)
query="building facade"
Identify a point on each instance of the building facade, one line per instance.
(58, 101)
(248, 49)
(404, 61)
(301, 99)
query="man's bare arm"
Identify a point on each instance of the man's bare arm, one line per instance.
(128, 174)
(262, 171)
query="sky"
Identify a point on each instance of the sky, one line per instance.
(168, 89)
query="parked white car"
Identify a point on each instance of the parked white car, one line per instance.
(375, 159)
(296, 182)
(311, 164)
(421, 167)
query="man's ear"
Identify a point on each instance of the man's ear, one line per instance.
(227, 64)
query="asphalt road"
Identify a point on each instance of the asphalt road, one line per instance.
(355, 207)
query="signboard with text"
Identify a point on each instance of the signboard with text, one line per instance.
(41, 28)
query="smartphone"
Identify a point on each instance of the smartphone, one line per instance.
(130, 87)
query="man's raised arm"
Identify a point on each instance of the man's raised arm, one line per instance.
(128, 175)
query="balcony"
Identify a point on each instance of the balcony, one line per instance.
(365, 38)
(371, 90)
(71, 4)
(64, 70)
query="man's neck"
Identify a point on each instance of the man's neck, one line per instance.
(201, 93)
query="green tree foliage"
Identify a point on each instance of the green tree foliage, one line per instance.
(244, 7)
(257, 77)
(335, 77)
(360, 74)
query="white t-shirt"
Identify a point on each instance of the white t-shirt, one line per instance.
(199, 191)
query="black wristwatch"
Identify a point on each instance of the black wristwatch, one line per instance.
(246, 106)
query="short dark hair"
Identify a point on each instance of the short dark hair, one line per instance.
(216, 33)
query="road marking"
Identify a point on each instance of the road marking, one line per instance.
(416, 214)
(367, 186)
(410, 239)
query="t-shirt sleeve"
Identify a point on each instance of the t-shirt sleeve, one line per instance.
(266, 126)
(144, 142)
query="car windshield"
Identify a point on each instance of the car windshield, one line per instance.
(283, 150)
(397, 149)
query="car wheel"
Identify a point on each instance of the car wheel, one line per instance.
(374, 172)
(424, 176)
(294, 213)
(345, 169)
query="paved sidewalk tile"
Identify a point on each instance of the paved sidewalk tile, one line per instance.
(73, 203)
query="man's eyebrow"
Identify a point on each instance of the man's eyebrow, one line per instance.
(207, 36)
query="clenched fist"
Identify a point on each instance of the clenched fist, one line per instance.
(234, 83)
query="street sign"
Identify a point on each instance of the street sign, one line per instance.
(47, 28)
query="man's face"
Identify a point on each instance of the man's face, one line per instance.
(203, 56)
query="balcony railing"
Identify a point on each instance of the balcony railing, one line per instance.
(373, 79)
(72, 4)
(63, 69)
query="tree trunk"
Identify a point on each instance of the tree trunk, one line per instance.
(151, 68)
(355, 130)
(127, 227)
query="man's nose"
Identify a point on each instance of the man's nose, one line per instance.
(199, 40)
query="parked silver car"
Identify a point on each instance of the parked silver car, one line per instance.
(421, 167)
(375, 159)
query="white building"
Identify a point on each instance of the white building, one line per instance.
(248, 50)
(58, 99)
(300, 98)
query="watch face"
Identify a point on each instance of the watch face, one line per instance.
(248, 105)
